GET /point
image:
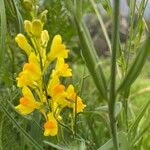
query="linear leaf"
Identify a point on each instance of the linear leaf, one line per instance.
(55, 146)
(136, 67)
(3, 30)
(89, 52)
(139, 117)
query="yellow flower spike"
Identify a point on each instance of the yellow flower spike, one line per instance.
(62, 69)
(28, 26)
(27, 103)
(58, 49)
(44, 37)
(23, 43)
(51, 126)
(37, 27)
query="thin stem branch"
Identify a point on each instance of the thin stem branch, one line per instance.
(112, 100)
(102, 24)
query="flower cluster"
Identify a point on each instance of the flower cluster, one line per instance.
(51, 97)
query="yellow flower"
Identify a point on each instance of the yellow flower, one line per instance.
(52, 82)
(62, 69)
(51, 126)
(74, 101)
(27, 103)
(23, 43)
(57, 92)
(31, 72)
(58, 49)
(80, 106)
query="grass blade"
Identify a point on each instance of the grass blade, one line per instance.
(3, 31)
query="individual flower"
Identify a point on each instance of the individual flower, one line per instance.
(31, 72)
(51, 126)
(62, 69)
(74, 101)
(57, 50)
(56, 91)
(27, 103)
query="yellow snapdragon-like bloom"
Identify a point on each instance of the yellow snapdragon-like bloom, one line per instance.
(27, 103)
(62, 69)
(56, 91)
(58, 49)
(31, 72)
(51, 126)
(74, 100)
(23, 43)
(52, 82)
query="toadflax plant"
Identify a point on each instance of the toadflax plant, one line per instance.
(52, 97)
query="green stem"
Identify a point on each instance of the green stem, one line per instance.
(42, 70)
(112, 100)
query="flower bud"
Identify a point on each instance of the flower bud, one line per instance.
(28, 5)
(44, 37)
(23, 43)
(28, 26)
(37, 27)
(43, 16)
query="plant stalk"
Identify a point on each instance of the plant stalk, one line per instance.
(112, 98)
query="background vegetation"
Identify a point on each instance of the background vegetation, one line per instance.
(109, 57)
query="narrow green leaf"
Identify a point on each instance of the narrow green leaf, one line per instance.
(106, 4)
(55, 146)
(136, 67)
(89, 52)
(140, 135)
(101, 23)
(3, 30)
(19, 17)
(134, 126)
